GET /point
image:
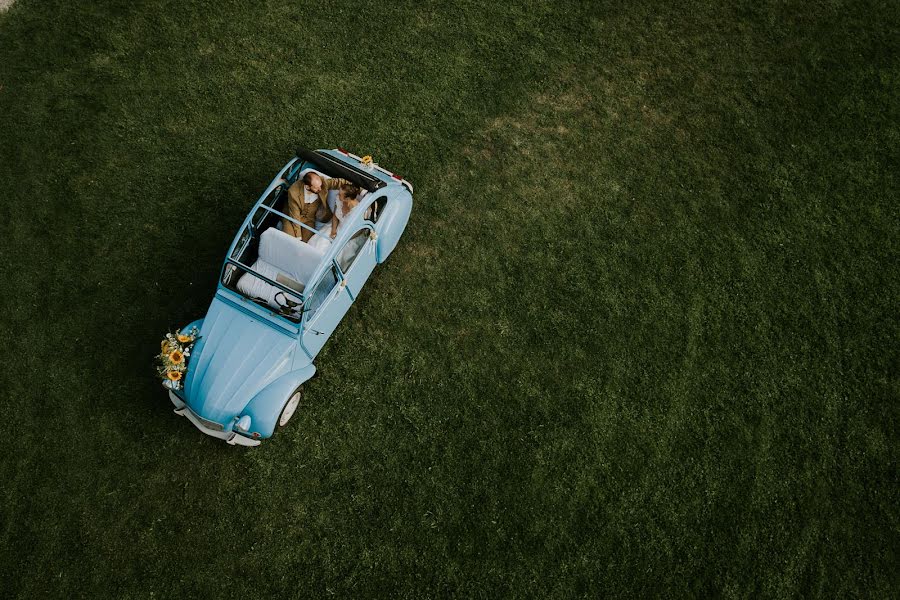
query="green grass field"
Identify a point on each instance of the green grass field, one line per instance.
(640, 337)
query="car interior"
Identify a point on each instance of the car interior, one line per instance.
(276, 255)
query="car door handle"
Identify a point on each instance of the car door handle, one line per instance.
(317, 332)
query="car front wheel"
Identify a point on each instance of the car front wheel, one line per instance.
(290, 407)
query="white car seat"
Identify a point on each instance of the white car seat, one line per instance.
(284, 259)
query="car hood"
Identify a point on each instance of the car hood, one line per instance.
(236, 356)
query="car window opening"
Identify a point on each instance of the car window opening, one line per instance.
(347, 256)
(377, 208)
(320, 292)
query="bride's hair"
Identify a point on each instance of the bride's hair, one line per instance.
(350, 191)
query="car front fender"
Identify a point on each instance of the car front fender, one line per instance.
(187, 328)
(194, 350)
(198, 324)
(265, 407)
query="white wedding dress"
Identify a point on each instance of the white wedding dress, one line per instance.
(322, 240)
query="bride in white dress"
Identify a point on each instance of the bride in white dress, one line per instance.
(348, 198)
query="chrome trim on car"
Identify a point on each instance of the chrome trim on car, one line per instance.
(207, 423)
(230, 437)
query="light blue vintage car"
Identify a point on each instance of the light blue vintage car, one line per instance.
(279, 299)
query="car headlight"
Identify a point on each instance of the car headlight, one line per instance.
(243, 424)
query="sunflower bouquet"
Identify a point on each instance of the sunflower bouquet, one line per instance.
(174, 352)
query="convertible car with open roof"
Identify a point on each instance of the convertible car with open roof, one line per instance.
(279, 298)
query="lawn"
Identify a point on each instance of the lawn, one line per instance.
(640, 337)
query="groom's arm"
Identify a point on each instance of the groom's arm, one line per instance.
(334, 183)
(331, 184)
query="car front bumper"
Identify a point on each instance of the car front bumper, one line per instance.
(231, 437)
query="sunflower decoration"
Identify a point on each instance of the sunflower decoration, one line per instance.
(174, 351)
(367, 161)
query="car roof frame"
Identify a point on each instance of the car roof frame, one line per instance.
(334, 167)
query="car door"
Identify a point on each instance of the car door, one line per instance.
(337, 289)
(357, 259)
(324, 309)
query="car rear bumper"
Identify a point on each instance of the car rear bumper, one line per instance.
(229, 436)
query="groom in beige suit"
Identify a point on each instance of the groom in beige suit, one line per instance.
(305, 198)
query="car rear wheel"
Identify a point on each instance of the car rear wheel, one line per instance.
(290, 407)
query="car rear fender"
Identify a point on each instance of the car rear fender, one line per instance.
(392, 222)
(265, 408)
